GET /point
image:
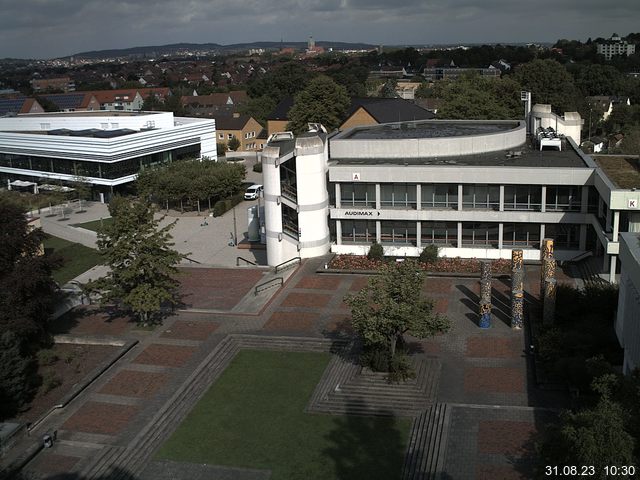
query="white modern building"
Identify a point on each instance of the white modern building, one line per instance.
(108, 149)
(628, 317)
(615, 46)
(476, 189)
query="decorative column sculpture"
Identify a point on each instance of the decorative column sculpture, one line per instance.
(546, 252)
(517, 289)
(485, 295)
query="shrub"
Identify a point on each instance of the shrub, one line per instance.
(376, 252)
(429, 254)
(257, 167)
(222, 206)
(47, 357)
(50, 381)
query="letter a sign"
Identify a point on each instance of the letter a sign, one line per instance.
(355, 177)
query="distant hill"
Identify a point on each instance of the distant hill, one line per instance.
(158, 50)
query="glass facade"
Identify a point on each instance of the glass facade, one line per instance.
(480, 234)
(358, 231)
(565, 236)
(398, 195)
(482, 197)
(439, 196)
(398, 233)
(523, 197)
(86, 168)
(439, 233)
(358, 195)
(521, 235)
(563, 199)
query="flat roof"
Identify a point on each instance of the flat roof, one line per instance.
(429, 129)
(523, 156)
(90, 113)
(622, 170)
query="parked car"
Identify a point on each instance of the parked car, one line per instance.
(253, 192)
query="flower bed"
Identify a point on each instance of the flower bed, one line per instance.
(444, 264)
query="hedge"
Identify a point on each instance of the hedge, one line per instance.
(222, 206)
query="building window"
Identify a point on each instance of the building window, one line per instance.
(560, 198)
(439, 233)
(290, 222)
(358, 231)
(221, 136)
(480, 234)
(229, 136)
(565, 236)
(439, 196)
(358, 195)
(483, 197)
(398, 195)
(521, 235)
(522, 197)
(398, 233)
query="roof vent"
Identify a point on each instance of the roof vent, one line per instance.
(275, 137)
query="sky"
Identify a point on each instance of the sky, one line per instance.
(56, 28)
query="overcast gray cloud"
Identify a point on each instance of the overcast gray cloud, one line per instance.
(49, 28)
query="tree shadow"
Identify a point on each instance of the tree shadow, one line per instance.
(115, 473)
(367, 447)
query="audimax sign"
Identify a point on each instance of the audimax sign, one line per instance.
(361, 213)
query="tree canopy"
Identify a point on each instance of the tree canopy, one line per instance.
(474, 97)
(142, 264)
(392, 305)
(281, 82)
(549, 83)
(322, 101)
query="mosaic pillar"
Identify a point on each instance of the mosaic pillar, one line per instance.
(549, 308)
(485, 315)
(485, 295)
(546, 251)
(517, 288)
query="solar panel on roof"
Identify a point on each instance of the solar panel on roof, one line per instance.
(66, 101)
(11, 105)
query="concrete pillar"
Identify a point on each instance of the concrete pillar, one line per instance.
(542, 234)
(459, 242)
(378, 199)
(608, 220)
(501, 207)
(418, 197)
(584, 200)
(419, 234)
(378, 232)
(612, 269)
(338, 232)
(543, 199)
(616, 224)
(583, 238)
(517, 289)
(460, 195)
(338, 196)
(500, 235)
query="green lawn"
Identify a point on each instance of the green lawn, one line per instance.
(253, 417)
(93, 225)
(77, 258)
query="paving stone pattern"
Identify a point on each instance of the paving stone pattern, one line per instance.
(474, 404)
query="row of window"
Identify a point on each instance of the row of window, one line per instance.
(476, 234)
(485, 197)
(247, 135)
(97, 169)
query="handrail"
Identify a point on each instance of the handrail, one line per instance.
(284, 266)
(267, 285)
(244, 259)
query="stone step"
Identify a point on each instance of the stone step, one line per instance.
(425, 453)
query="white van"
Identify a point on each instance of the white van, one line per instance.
(253, 192)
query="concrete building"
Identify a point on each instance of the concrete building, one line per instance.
(473, 188)
(628, 317)
(615, 46)
(106, 148)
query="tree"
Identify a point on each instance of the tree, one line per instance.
(392, 305)
(474, 97)
(322, 101)
(140, 258)
(549, 83)
(259, 108)
(14, 375)
(595, 436)
(27, 291)
(284, 81)
(234, 144)
(388, 90)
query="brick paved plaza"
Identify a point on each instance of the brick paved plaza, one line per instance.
(485, 377)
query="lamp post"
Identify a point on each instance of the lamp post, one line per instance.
(590, 110)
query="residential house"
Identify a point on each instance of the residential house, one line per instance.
(243, 127)
(214, 105)
(73, 102)
(606, 103)
(615, 46)
(14, 106)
